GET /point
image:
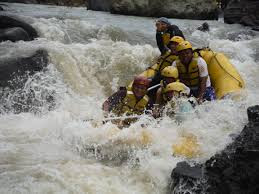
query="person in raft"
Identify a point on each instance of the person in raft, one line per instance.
(193, 72)
(169, 75)
(174, 94)
(131, 101)
(164, 32)
(164, 61)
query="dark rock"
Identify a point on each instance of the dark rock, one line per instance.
(14, 34)
(21, 1)
(255, 28)
(253, 114)
(243, 11)
(20, 86)
(9, 22)
(99, 5)
(1, 9)
(190, 9)
(14, 69)
(233, 171)
(249, 20)
(184, 169)
(204, 27)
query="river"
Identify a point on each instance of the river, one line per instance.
(91, 55)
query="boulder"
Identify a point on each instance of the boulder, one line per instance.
(243, 11)
(13, 34)
(99, 5)
(20, 68)
(188, 9)
(204, 27)
(235, 170)
(9, 22)
(20, 1)
(21, 89)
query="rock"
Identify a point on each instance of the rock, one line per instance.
(234, 170)
(243, 11)
(184, 169)
(1, 9)
(189, 9)
(63, 2)
(14, 34)
(21, 1)
(15, 95)
(249, 20)
(20, 68)
(204, 27)
(9, 22)
(253, 114)
(99, 5)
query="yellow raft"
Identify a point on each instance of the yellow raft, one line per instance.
(224, 76)
(187, 146)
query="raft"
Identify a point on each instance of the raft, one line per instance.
(152, 71)
(187, 145)
(224, 76)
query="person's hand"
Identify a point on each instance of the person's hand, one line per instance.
(200, 100)
(106, 106)
(156, 112)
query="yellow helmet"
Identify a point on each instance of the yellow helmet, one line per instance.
(170, 71)
(183, 46)
(175, 86)
(177, 39)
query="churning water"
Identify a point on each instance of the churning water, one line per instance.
(92, 54)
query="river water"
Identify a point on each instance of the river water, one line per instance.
(92, 54)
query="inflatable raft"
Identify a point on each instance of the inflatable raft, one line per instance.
(224, 76)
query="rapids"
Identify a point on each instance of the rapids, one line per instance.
(91, 55)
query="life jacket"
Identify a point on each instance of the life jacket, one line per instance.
(166, 60)
(131, 106)
(191, 76)
(166, 38)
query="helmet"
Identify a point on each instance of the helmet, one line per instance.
(164, 20)
(141, 80)
(183, 46)
(177, 39)
(170, 71)
(175, 86)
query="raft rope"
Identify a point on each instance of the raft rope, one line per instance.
(240, 83)
(215, 56)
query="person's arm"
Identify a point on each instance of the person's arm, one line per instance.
(160, 43)
(203, 73)
(159, 96)
(202, 88)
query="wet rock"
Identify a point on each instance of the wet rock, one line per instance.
(204, 27)
(99, 5)
(20, 85)
(7, 22)
(243, 11)
(14, 72)
(14, 34)
(184, 169)
(234, 170)
(253, 114)
(190, 9)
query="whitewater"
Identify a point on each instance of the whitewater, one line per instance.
(91, 54)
